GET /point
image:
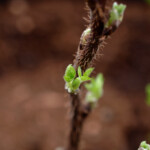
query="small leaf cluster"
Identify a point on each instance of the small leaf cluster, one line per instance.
(116, 14)
(148, 94)
(144, 146)
(73, 80)
(95, 89)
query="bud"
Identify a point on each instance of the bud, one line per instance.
(116, 14)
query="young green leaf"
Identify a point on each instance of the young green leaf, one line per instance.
(144, 146)
(148, 94)
(79, 71)
(88, 72)
(70, 73)
(85, 78)
(95, 89)
(98, 90)
(67, 79)
(116, 14)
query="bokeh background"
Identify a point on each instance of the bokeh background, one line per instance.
(38, 39)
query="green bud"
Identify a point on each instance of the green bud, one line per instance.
(75, 84)
(116, 14)
(85, 35)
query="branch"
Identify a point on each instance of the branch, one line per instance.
(78, 117)
(87, 49)
(89, 42)
(99, 28)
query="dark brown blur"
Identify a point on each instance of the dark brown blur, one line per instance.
(38, 39)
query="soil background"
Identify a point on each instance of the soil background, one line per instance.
(38, 39)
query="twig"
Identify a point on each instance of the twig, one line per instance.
(86, 52)
(90, 41)
(79, 115)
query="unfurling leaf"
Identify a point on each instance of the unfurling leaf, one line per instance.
(88, 72)
(85, 78)
(70, 73)
(95, 89)
(116, 14)
(79, 71)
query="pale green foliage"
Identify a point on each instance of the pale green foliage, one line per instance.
(144, 146)
(95, 89)
(116, 13)
(73, 81)
(148, 94)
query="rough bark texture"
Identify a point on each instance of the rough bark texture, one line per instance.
(87, 50)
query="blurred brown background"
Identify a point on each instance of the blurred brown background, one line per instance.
(37, 41)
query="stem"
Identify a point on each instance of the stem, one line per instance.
(85, 54)
(87, 51)
(78, 118)
(89, 44)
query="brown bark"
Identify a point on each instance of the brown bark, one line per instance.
(87, 51)
(79, 115)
